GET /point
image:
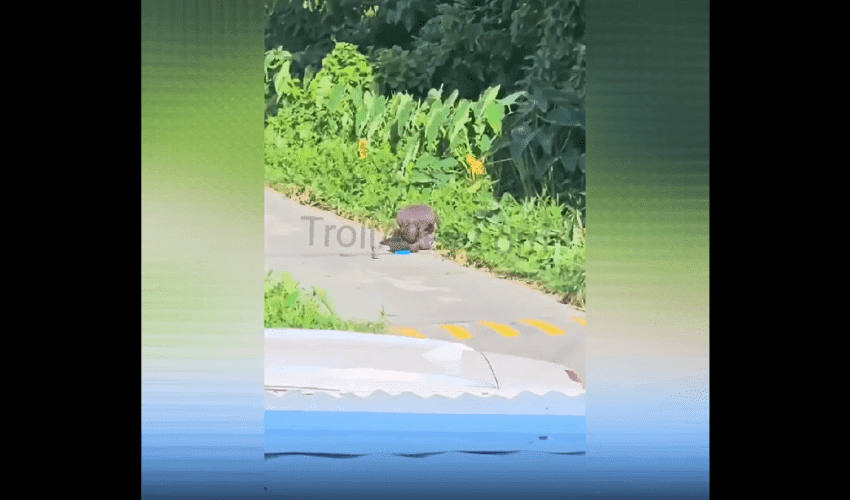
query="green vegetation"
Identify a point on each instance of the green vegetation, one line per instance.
(531, 47)
(288, 306)
(367, 134)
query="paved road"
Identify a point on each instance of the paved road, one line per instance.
(424, 295)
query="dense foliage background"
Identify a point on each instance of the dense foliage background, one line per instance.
(534, 47)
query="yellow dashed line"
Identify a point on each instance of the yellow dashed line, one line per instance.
(505, 330)
(458, 331)
(546, 327)
(579, 320)
(407, 332)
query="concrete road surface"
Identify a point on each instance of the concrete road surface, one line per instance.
(423, 295)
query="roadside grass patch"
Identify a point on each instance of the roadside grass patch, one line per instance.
(286, 305)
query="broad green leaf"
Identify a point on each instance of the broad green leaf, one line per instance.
(451, 99)
(336, 96)
(433, 124)
(309, 73)
(460, 118)
(563, 97)
(542, 166)
(446, 164)
(368, 100)
(488, 97)
(421, 178)
(520, 137)
(503, 244)
(425, 162)
(495, 113)
(360, 119)
(442, 178)
(281, 77)
(500, 142)
(443, 119)
(545, 137)
(376, 122)
(291, 299)
(378, 107)
(565, 116)
(569, 159)
(271, 63)
(507, 101)
(433, 97)
(485, 142)
(404, 113)
(538, 100)
(411, 151)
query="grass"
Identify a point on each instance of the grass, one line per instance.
(286, 305)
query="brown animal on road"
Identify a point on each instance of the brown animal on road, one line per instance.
(416, 227)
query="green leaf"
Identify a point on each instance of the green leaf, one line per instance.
(368, 101)
(451, 99)
(495, 113)
(291, 299)
(569, 159)
(404, 113)
(360, 119)
(433, 124)
(377, 114)
(485, 142)
(309, 72)
(442, 178)
(488, 97)
(503, 244)
(566, 116)
(336, 96)
(420, 178)
(281, 78)
(543, 165)
(425, 162)
(357, 97)
(563, 97)
(545, 138)
(411, 151)
(521, 136)
(507, 101)
(446, 163)
(460, 118)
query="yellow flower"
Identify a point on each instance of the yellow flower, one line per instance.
(475, 167)
(362, 147)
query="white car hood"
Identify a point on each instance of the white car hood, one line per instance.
(321, 369)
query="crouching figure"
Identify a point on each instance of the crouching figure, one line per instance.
(417, 225)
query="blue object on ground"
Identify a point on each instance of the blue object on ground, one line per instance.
(402, 252)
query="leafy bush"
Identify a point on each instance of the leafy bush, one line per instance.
(530, 46)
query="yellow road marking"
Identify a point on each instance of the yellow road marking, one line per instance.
(546, 327)
(458, 331)
(505, 330)
(407, 332)
(579, 320)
